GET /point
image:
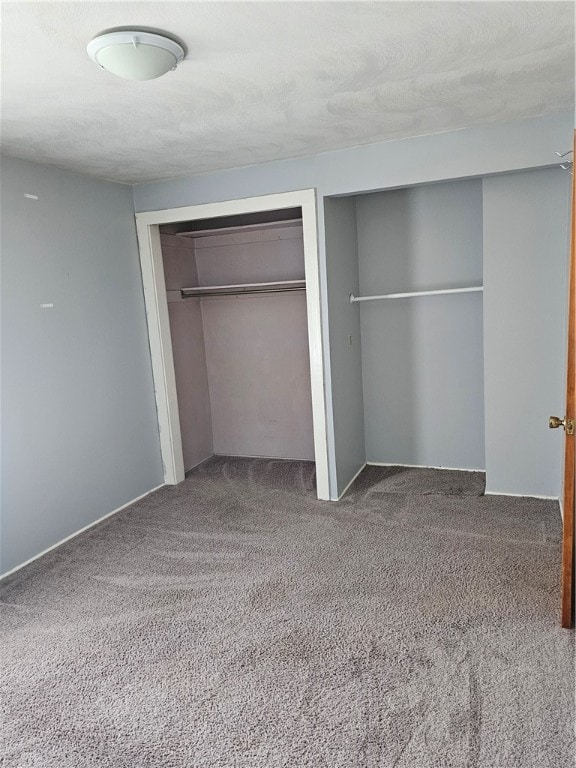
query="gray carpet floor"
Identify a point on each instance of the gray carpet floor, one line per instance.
(235, 621)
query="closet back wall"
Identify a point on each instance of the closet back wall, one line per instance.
(257, 346)
(422, 357)
(241, 362)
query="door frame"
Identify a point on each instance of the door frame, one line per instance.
(148, 232)
(569, 490)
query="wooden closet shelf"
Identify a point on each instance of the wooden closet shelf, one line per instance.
(240, 228)
(278, 286)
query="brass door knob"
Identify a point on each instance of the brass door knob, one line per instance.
(569, 424)
(554, 422)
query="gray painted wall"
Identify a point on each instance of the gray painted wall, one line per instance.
(422, 358)
(345, 357)
(475, 151)
(525, 293)
(80, 434)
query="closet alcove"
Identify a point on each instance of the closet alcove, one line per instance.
(422, 354)
(235, 288)
(462, 369)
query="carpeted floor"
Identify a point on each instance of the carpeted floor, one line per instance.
(235, 621)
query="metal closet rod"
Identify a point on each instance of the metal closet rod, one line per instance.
(411, 294)
(204, 292)
(187, 295)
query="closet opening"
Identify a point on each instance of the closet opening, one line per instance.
(420, 299)
(236, 299)
(406, 326)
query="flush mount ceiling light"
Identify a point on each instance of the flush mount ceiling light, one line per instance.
(135, 55)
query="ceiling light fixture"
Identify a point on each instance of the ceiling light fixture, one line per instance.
(135, 55)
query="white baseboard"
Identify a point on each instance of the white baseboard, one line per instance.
(351, 481)
(522, 495)
(77, 533)
(419, 466)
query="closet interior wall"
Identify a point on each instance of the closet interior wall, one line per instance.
(422, 357)
(241, 361)
(188, 350)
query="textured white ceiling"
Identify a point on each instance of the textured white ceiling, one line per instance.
(273, 80)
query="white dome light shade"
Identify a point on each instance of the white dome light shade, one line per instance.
(135, 55)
